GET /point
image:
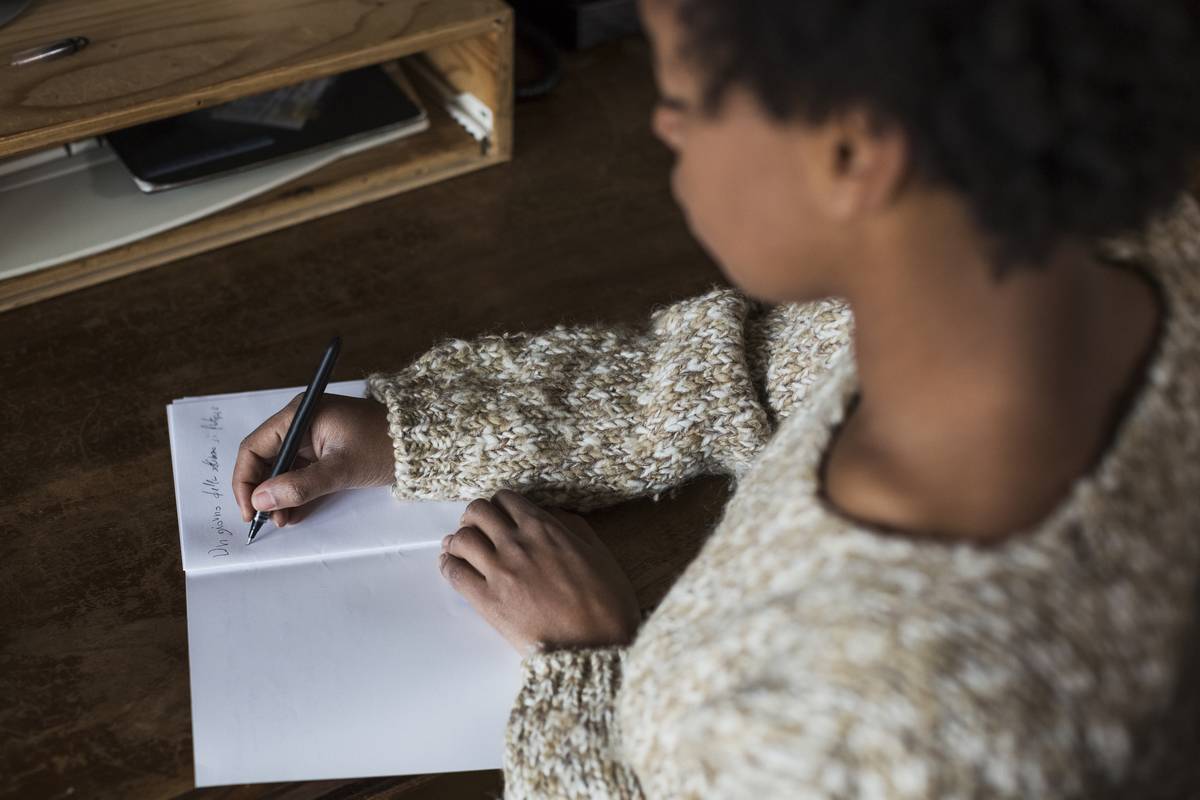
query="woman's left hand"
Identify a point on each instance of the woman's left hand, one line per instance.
(539, 577)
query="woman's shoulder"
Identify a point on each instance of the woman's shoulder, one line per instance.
(969, 670)
(998, 670)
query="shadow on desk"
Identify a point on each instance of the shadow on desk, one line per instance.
(487, 784)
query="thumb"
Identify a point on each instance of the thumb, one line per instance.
(295, 488)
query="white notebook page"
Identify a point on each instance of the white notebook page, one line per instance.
(332, 648)
(205, 434)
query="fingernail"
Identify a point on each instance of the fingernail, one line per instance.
(263, 500)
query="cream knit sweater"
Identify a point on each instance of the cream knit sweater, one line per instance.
(802, 655)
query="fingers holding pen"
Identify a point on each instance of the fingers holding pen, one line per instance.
(256, 455)
(347, 446)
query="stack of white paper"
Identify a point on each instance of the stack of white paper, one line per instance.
(334, 648)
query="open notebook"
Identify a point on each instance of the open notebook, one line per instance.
(333, 648)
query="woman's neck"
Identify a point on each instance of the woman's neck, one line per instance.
(980, 401)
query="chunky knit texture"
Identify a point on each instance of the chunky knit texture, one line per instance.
(802, 654)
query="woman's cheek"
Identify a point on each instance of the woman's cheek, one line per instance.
(679, 193)
(698, 193)
(676, 182)
(688, 197)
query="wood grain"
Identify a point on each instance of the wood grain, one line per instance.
(579, 227)
(150, 59)
(443, 151)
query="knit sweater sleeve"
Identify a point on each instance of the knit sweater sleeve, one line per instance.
(562, 739)
(588, 416)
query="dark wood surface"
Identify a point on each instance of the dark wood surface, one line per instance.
(94, 697)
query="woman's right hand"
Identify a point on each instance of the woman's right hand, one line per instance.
(347, 447)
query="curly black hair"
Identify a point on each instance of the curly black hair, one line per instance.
(1056, 119)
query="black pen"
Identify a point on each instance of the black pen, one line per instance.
(300, 423)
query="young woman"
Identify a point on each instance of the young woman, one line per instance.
(959, 392)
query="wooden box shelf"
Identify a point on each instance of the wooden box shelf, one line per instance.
(150, 59)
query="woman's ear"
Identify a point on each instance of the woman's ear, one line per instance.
(857, 166)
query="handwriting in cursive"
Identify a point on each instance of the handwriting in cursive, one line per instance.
(212, 483)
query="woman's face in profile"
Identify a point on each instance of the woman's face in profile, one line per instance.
(740, 178)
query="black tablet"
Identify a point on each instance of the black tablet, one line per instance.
(252, 131)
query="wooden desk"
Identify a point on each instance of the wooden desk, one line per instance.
(94, 695)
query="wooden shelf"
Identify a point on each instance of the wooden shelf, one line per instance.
(155, 58)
